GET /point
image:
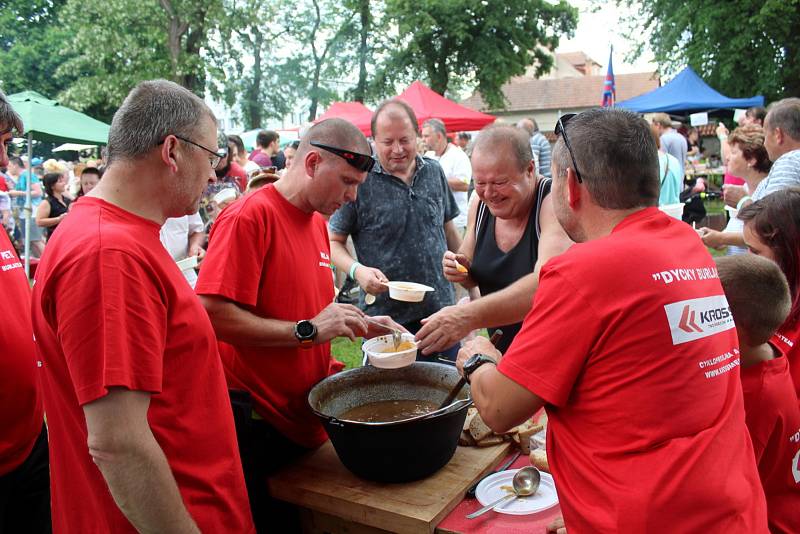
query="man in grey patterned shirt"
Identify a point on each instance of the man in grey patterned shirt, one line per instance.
(401, 222)
(782, 141)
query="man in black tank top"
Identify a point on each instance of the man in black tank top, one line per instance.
(511, 232)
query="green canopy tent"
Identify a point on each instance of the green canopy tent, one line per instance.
(47, 120)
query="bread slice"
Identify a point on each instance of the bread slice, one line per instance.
(471, 412)
(478, 428)
(466, 439)
(539, 460)
(488, 441)
(525, 437)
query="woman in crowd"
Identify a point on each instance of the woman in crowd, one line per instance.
(746, 157)
(90, 176)
(772, 230)
(695, 144)
(669, 171)
(56, 205)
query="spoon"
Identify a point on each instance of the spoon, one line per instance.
(525, 482)
(397, 335)
(461, 381)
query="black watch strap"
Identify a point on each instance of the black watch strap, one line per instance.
(474, 362)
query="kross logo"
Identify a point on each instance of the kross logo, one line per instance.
(697, 318)
(687, 323)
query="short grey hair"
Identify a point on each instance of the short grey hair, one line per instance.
(153, 110)
(9, 119)
(515, 138)
(785, 114)
(437, 125)
(616, 155)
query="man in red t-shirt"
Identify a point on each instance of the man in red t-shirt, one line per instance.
(759, 298)
(24, 472)
(268, 287)
(131, 365)
(631, 349)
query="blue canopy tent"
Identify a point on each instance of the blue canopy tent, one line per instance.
(686, 93)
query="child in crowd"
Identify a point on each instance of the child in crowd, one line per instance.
(758, 296)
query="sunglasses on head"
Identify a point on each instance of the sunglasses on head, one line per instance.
(561, 130)
(362, 162)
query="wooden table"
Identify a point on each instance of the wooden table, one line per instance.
(335, 500)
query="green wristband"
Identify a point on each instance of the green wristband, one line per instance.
(353, 268)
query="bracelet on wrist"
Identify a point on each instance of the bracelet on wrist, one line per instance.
(741, 202)
(353, 268)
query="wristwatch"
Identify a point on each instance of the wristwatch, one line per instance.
(475, 361)
(305, 332)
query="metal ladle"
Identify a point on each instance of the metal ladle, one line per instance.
(526, 482)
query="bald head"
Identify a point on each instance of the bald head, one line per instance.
(513, 140)
(527, 125)
(334, 132)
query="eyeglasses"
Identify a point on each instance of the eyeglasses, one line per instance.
(217, 155)
(362, 162)
(561, 130)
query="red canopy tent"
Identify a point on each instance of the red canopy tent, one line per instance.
(428, 104)
(354, 112)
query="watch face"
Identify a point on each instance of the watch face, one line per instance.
(305, 329)
(472, 362)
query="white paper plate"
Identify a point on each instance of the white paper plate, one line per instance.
(187, 263)
(489, 490)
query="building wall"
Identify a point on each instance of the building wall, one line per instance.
(545, 118)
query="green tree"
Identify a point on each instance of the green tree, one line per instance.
(482, 42)
(321, 30)
(251, 29)
(131, 42)
(740, 47)
(32, 46)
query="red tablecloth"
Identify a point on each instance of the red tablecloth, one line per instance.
(494, 523)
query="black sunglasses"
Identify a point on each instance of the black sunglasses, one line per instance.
(217, 154)
(362, 162)
(561, 130)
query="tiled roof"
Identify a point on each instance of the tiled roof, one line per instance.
(577, 58)
(530, 94)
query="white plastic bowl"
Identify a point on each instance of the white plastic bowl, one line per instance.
(389, 360)
(673, 210)
(408, 291)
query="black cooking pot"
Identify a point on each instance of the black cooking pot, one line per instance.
(399, 451)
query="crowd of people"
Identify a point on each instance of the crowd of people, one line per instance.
(146, 392)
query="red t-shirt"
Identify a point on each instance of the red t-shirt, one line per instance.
(787, 339)
(273, 259)
(111, 309)
(632, 347)
(20, 400)
(773, 419)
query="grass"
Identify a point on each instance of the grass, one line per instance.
(347, 352)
